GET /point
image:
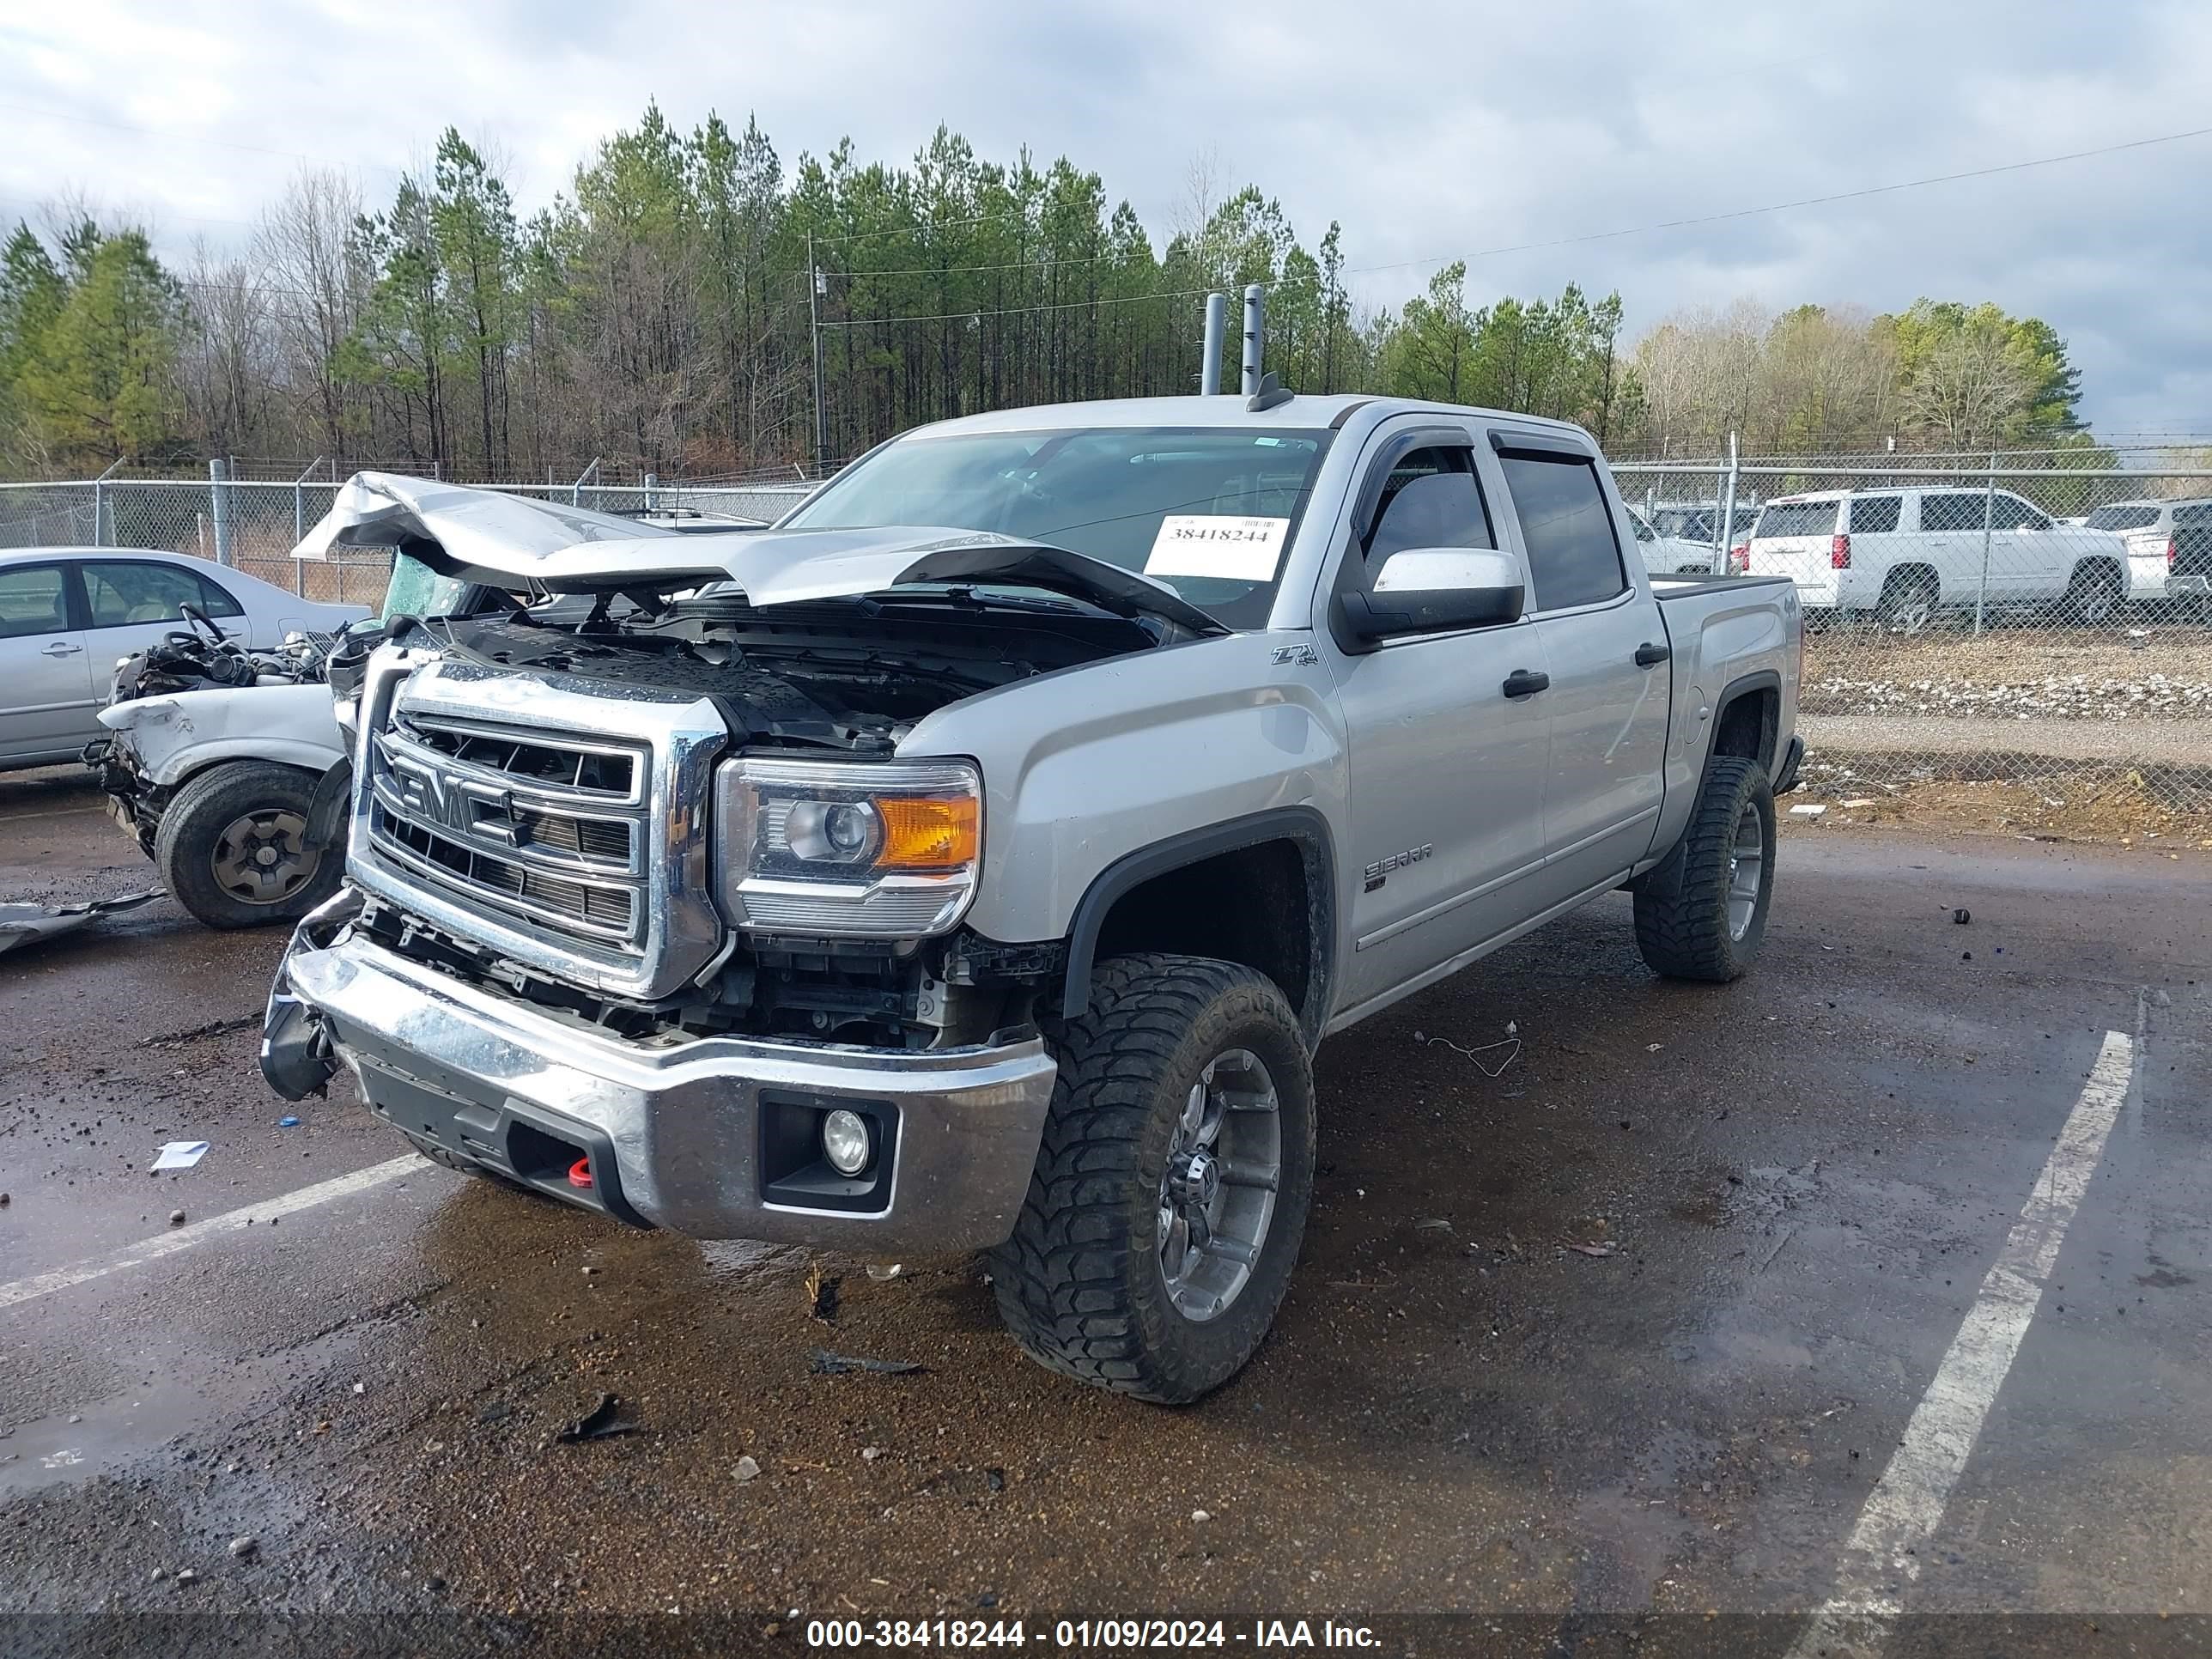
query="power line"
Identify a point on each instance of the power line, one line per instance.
(1017, 311)
(1808, 201)
(1565, 241)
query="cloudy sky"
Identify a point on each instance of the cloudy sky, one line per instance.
(1433, 132)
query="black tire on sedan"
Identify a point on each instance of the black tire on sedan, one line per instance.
(233, 850)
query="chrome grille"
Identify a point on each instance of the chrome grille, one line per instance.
(541, 825)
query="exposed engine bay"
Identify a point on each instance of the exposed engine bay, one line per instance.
(200, 657)
(848, 674)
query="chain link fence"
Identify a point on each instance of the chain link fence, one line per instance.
(2022, 625)
(2019, 623)
(252, 525)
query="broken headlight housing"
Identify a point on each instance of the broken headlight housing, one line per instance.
(829, 849)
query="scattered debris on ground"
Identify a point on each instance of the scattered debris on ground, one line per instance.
(1510, 1043)
(826, 1363)
(748, 1469)
(602, 1422)
(179, 1154)
(33, 924)
(822, 1295)
(192, 1034)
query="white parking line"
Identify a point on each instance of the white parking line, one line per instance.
(183, 1238)
(1907, 1505)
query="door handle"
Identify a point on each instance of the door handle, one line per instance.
(1522, 683)
(61, 648)
(1650, 656)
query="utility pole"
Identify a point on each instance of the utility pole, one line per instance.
(814, 334)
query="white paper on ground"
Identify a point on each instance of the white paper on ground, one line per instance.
(1211, 545)
(180, 1154)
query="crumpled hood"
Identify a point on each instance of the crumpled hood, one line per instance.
(509, 533)
(505, 541)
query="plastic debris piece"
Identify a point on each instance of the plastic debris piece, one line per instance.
(180, 1154)
(288, 1122)
(826, 1363)
(30, 924)
(602, 1422)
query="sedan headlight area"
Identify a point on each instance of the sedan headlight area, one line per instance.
(829, 849)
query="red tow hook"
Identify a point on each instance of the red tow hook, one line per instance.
(580, 1173)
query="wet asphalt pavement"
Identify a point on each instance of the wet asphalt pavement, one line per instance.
(1788, 1192)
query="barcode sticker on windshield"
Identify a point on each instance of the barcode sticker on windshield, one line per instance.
(1203, 544)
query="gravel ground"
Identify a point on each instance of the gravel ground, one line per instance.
(2019, 675)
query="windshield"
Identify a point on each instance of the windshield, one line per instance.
(1208, 511)
(2124, 515)
(415, 590)
(1796, 519)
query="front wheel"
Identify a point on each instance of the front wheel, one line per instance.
(1172, 1183)
(234, 846)
(1701, 913)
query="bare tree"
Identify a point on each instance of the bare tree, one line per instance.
(229, 362)
(305, 246)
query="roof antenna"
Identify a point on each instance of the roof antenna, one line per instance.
(1271, 394)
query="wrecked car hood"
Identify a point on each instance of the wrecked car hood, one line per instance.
(174, 735)
(507, 533)
(502, 540)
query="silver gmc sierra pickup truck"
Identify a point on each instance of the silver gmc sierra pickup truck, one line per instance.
(975, 860)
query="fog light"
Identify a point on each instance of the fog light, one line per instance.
(845, 1142)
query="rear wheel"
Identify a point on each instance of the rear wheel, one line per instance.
(234, 847)
(2093, 597)
(1908, 602)
(1172, 1184)
(1702, 912)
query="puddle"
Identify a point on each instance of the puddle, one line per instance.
(106, 1434)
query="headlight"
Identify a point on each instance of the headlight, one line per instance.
(827, 847)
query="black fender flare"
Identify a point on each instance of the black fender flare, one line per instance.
(1303, 827)
(1760, 679)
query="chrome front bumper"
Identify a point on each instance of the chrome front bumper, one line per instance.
(673, 1130)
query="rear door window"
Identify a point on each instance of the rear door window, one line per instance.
(33, 601)
(1798, 519)
(1574, 556)
(1871, 515)
(1951, 510)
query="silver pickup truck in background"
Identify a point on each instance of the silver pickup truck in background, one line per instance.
(976, 859)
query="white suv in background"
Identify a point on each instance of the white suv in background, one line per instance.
(1904, 555)
(2169, 545)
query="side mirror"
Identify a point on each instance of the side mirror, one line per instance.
(1429, 590)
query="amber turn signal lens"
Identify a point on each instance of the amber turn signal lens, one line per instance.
(921, 834)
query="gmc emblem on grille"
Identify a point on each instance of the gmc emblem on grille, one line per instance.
(434, 797)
